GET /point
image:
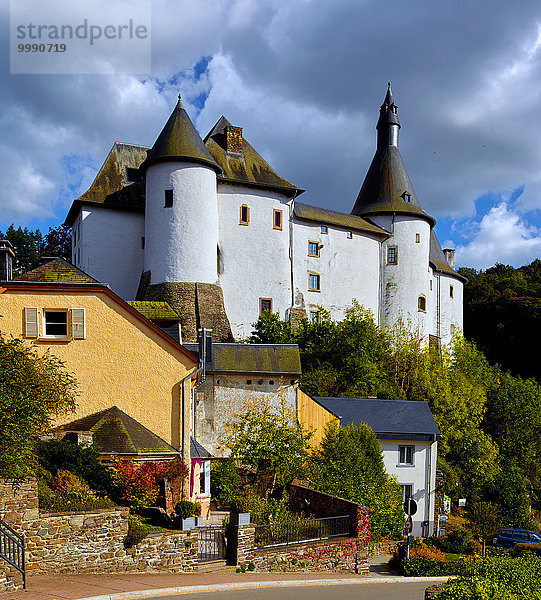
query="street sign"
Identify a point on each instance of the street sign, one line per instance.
(443, 517)
(410, 506)
(408, 525)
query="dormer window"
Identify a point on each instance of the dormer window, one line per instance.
(406, 196)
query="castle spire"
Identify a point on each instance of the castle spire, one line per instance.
(387, 188)
(179, 141)
(388, 123)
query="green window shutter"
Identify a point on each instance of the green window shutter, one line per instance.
(31, 326)
(78, 330)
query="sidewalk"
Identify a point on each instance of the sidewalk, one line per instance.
(75, 587)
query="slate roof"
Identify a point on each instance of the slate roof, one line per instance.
(390, 419)
(154, 311)
(179, 140)
(246, 167)
(387, 181)
(437, 258)
(114, 431)
(331, 217)
(57, 271)
(198, 451)
(276, 359)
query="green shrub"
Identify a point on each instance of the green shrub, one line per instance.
(136, 531)
(225, 481)
(185, 509)
(457, 541)
(522, 549)
(264, 511)
(83, 461)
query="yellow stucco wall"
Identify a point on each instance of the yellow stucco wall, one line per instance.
(122, 361)
(313, 416)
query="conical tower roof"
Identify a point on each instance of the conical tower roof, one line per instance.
(387, 187)
(179, 141)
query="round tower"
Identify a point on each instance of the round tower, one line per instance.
(388, 199)
(181, 212)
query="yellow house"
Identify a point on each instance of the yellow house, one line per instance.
(119, 358)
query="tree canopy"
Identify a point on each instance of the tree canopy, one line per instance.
(349, 464)
(30, 246)
(34, 389)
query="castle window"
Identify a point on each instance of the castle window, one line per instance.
(452, 329)
(421, 304)
(431, 285)
(324, 229)
(314, 316)
(277, 219)
(392, 255)
(417, 238)
(313, 249)
(349, 235)
(265, 305)
(168, 198)
(142, 242)
(244, 215)
(248, 382)
(313, 282)
(451, 291)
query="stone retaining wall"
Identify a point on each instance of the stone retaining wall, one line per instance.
(344, 555)
(87, 542)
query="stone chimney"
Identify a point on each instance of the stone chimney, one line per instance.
(233, 139)
(6, 260)
(450, 256)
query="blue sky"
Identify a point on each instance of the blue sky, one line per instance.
(305, 79)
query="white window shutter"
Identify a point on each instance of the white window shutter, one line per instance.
(78, 330)
(31, 327)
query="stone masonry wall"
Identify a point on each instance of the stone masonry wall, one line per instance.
(88, 542)
(344, 555)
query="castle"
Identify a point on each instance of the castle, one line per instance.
(209, 226)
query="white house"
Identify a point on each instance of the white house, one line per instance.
(209, 226)
(408, 436)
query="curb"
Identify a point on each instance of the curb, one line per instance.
(187, 589)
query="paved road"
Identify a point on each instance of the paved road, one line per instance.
(353, 591)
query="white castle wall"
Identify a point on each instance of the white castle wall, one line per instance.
(404, 282)
(181, 241)
(348, 269)
(450, 307)
(109, 247)
(254, 258)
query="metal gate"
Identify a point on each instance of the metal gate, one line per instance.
(211, 543)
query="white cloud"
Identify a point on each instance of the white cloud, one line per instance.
(501, 236)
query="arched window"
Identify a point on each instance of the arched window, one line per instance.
(421, 303)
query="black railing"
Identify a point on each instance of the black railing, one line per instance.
(294, 532)
(12, 549)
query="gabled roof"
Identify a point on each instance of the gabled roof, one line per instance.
(275, 359)
(389, 419)
(111, 187)
(114, 431)
(197, 450)
(331, 217)
(58, 270)
(179, 141)
(154, 311)
(438, 261)
(246, 167)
